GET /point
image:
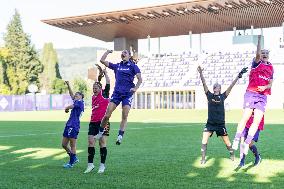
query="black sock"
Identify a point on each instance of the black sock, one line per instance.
(254, 150)
(203, 151)
(91, 154)
(103, 152)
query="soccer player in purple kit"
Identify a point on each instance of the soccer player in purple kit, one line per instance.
(255, 98)
(124, 71)
(72, 127)
(216, 114)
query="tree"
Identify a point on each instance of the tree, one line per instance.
(50, 72)
(80, 85)
(23, 65)
(4, 85)
(58, 86)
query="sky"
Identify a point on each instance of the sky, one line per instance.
(33, 11)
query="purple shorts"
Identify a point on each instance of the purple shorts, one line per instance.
(70, 132)
(255, 101)
(255, 137)
(125, 98)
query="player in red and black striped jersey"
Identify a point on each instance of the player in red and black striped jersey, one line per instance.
(100, 101)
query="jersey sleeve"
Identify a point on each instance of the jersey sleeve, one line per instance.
(224, 96)
(112, 66)
(209, 95)
(136, 69)
(254, 64)
(106, 91)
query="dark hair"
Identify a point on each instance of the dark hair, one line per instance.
(98, 83)
(81, 94)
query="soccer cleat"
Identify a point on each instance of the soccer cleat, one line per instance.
(118, 140)
(203, 161)
(235, 144)
(232, 156)
(67, 166)
(89, 168)
(76, 160)
(246, 148)
(101, 168)
(242, 163)
(257, 160)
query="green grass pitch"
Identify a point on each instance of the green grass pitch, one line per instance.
(161, 149)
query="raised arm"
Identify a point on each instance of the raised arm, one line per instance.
(200, 70)
(70, 90)
(240, 75)
(257, 57)
(139, 78)
(106, 76)
(103, 58)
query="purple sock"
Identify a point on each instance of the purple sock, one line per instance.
(120, 132)
(238, 136)
(72, 158)
(248, 139)
(254, 150)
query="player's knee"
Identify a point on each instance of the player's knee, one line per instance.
(64, 146)
(91, 143)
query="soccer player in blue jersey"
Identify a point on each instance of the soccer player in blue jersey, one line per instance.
(124, 71)
(72, 127)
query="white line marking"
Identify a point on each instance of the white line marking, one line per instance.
(133, 128)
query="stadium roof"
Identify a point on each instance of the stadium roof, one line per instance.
(198, 16)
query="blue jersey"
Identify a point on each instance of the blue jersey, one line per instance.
(124, 75)
(76, 112)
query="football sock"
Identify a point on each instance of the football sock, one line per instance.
(248, 139)
(238, 136)
(254, 150)
(203, 151)
(91, 154)
(103, 152)
(120, 132)
(72, 158)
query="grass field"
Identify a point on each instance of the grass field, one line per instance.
(161, 149)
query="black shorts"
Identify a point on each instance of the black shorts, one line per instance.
(94, 128)
(219, 129)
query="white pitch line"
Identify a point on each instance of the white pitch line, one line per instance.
(131, 128)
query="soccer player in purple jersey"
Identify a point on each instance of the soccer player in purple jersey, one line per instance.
(124, 71)
(255, 98)
(72, 127)
(216, 114)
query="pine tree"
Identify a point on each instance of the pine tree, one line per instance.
(23, 66)
(50, 69)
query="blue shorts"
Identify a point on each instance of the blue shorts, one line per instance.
(255, 137)
(70, 132)
(126, 98)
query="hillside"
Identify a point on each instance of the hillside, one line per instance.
(76, 61)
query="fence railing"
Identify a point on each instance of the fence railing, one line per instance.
(34, 102)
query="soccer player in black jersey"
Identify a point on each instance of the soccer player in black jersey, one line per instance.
(216, 114)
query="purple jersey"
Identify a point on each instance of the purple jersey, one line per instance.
(124, 75)
(76, 112)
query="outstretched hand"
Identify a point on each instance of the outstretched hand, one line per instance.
(244, 70)
(66, 82)
(199, 69)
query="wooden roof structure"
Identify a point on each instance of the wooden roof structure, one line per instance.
(198, 16)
